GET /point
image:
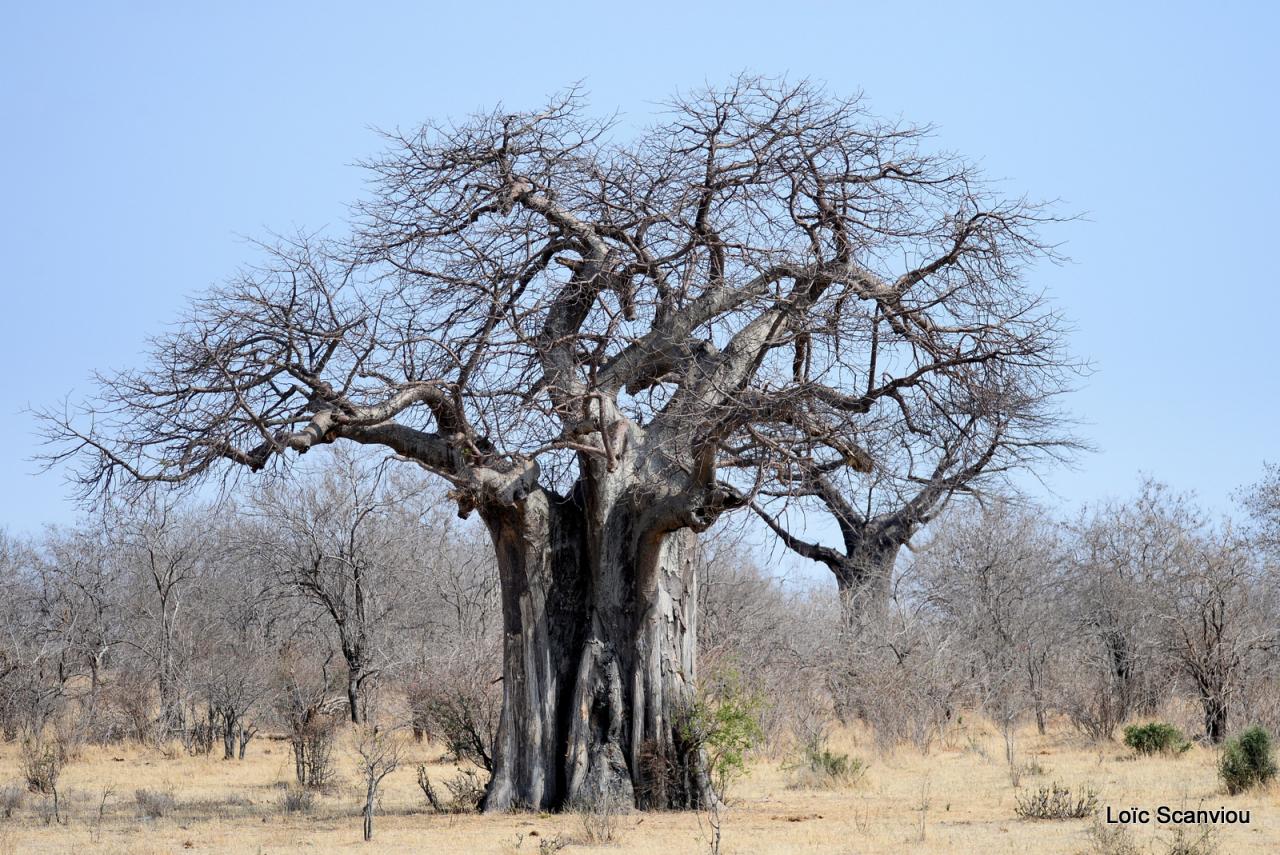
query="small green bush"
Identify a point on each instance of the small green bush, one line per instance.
(725, 722)
(1056, 802)
(1155, 738)
(1246, 761)
(821, 768)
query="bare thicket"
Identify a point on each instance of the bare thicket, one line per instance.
(1137, 608)
(992, 577)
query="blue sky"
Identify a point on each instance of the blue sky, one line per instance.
(143, 142)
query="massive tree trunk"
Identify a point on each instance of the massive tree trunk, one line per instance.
(541, 554)
(598, 656)
(863, 578)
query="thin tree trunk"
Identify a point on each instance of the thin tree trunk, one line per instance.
(228, 738)
(1214, 704)
(370, 793)
(353, 695)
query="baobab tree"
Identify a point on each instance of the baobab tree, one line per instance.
(919, 466)
(603, 346)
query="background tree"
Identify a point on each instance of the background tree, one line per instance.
(163, 544)
(335, 539)
(81, 572)
(919, 465)
(241, 626)
(1216, 608)
(603, 346)
(993, 575)
(1261, 502)
(378, 752)
(1120, 551)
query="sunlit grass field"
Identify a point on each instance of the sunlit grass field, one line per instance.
(958, 798)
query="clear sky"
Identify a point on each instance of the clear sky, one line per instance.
(142, 142)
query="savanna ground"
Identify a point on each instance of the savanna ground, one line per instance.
(957, 798)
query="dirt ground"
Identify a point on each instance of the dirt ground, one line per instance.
(957, 799)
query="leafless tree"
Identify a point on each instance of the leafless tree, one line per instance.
(603, 346)
(81, 572)
(960, 445)
(378, 753)
(1261, 501)
(305, 705)
(162, 545)
(454, 687)
(993, 574)
(34, 663)
(1217, 612)
(1120, 552)
(240, 628)
(767, 632)
(333, 539)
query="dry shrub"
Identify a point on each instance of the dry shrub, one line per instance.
(312, 744)
(599, 822)
(1203, 840)
(1111, 840)
(466, 790)
(11, 798)
(428, 790)
(155, 804)
(297, 799)
(459, 706)
(42, 762)
(1056, 802)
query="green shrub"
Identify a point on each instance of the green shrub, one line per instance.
(1155, 738)
(725, 722)
(1056, 802)
(1246, 761)
(821, 768)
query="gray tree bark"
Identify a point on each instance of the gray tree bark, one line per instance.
(598, 613)
(864, 576)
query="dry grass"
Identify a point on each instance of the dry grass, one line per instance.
(955, 800)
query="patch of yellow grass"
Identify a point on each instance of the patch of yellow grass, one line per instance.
(956, 799)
